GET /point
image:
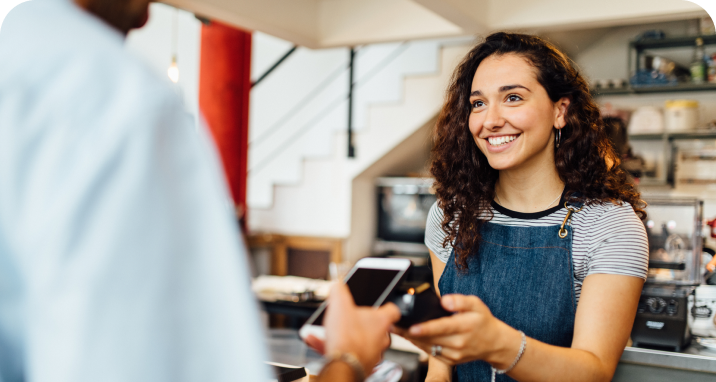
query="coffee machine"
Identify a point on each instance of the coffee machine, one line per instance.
(673, 227)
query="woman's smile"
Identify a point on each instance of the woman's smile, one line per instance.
(500, 143)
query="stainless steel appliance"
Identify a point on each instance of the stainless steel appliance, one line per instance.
(673, 227)
(403, 206)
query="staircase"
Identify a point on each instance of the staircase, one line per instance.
(304, 187)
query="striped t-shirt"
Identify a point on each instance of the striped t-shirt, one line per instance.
(608, 238)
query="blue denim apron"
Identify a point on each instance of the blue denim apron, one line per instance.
(525, 276)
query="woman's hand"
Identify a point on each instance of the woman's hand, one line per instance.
(471, 334)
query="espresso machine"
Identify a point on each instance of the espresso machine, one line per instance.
(673, 227)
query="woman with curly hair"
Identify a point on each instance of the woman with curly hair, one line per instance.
(536, 239)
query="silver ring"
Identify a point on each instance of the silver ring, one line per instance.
(436, 350)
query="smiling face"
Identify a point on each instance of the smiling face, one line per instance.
(512, 117)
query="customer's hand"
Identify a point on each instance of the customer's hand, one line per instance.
(471, 334)
(362, 331)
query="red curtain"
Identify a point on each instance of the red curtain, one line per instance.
(224, 86)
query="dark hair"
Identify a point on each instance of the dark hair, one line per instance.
(615, 128)
(585, 160)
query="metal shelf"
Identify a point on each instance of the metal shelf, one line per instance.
(694, 135)
(684, 87)
(672, 42)
(646, 137)
(637, 49)
(674, 136)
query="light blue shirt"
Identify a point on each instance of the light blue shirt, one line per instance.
(119, 256)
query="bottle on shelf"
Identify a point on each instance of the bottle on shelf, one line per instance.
(711, 71)
(698, 65)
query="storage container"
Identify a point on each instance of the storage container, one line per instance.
(646, 120)
(696, 163)
(681, 115)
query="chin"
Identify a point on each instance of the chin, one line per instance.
(499, 165)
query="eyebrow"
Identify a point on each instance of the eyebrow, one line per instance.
(502, 89)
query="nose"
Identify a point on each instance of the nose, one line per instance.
(493, 118)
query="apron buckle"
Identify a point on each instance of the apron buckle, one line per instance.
(570, 211)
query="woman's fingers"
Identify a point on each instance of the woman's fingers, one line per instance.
(439, 327)
(424, 345)
(462, 303)
(448, 354)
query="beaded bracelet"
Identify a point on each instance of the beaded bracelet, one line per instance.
(519, 355)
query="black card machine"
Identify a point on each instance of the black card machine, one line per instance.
(417, 303)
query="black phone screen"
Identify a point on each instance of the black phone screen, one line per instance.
(366, 286)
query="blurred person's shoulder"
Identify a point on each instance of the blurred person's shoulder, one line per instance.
(64, 55)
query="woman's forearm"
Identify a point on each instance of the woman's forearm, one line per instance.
(539, 362)
(438, 371)
(542, 362)
(601, 331)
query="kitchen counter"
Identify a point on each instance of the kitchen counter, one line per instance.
(695, 364)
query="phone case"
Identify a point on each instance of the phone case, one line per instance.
(417, 303)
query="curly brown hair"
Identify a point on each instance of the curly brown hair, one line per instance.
(464, 181)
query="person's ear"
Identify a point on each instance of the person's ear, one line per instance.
(560, 112)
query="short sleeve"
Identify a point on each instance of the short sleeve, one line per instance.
(434, 234)
(618, 243)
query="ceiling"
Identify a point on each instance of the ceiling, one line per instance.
(331, 23)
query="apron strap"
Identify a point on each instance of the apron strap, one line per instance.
(572, 208)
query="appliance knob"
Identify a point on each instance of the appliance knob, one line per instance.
(672, 308)
(656, 305)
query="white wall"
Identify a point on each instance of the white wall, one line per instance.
(153, 45)
(320, 204)
(298, 108)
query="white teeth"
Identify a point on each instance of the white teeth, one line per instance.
(499, 141)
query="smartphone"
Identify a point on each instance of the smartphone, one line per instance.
(418, 302)
(370, 281)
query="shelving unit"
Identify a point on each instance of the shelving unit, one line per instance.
(667, 141)
(637, 49)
